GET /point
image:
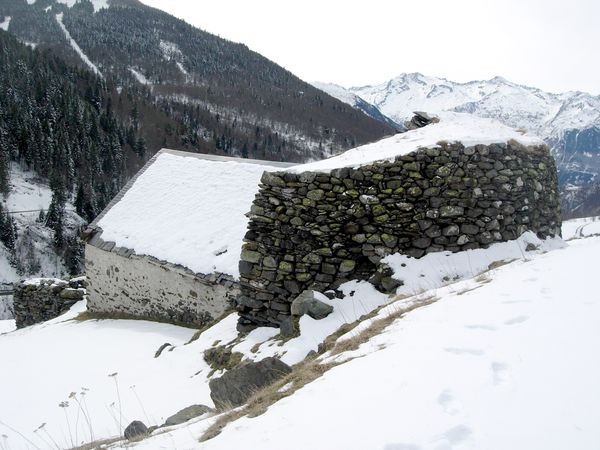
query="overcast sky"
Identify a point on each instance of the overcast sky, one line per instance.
(550, 44)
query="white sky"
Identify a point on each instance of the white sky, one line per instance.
(550, 44)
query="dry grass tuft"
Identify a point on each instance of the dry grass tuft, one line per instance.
(99, 444)
(302, 374)
(87, 315)
(310, 369)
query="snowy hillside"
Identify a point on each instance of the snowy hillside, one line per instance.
(350, 98)
(453, 371)
(28, 195)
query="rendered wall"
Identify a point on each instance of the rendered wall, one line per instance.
(317, 230)
(141, 287)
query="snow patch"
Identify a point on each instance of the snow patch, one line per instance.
(170, 50)
(4, 25)
(98, 4)
(75, 46)
(453, 127)
(140, 77)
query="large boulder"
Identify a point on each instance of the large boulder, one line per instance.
(135, 429)
(186, 414)
(237, 385)
(306, 303)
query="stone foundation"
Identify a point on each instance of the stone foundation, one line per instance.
(317, 230)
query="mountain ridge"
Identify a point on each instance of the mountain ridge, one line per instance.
(568, 122)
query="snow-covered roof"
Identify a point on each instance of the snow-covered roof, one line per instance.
(187, 209)
(453, 127)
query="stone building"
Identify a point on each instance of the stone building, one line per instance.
(463, 183)
(167, 247)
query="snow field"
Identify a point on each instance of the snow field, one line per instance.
(504, 363)
(85, 353)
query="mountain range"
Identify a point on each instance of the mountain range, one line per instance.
(569, 122)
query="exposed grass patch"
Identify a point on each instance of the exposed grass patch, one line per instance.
(310, 369)
(87, 315)
(99, 444)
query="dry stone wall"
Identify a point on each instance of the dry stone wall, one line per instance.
(43, 299)
(316, 230)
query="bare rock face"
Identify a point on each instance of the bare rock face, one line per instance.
(236, 386)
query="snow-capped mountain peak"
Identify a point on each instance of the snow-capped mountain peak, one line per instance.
(569, 122)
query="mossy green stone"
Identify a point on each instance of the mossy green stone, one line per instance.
(378, 210)
(250, 256)
(347, 265)
(303, 276)
(285, 266)
(382, 219)
(316, 194)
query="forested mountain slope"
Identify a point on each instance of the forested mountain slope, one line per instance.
(233, 100)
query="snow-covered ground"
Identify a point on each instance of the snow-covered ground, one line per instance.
(207, 200)
(510, 364)
(579, 228)
(453, 127)
(507, 360)
(451, 346)
(75, 46)
(7, 326)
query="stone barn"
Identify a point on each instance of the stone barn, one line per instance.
(168, 246)
(463, 183)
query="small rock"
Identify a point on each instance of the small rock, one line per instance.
(306, 303)
(236, 386)
(135, 429)
(186, 414)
